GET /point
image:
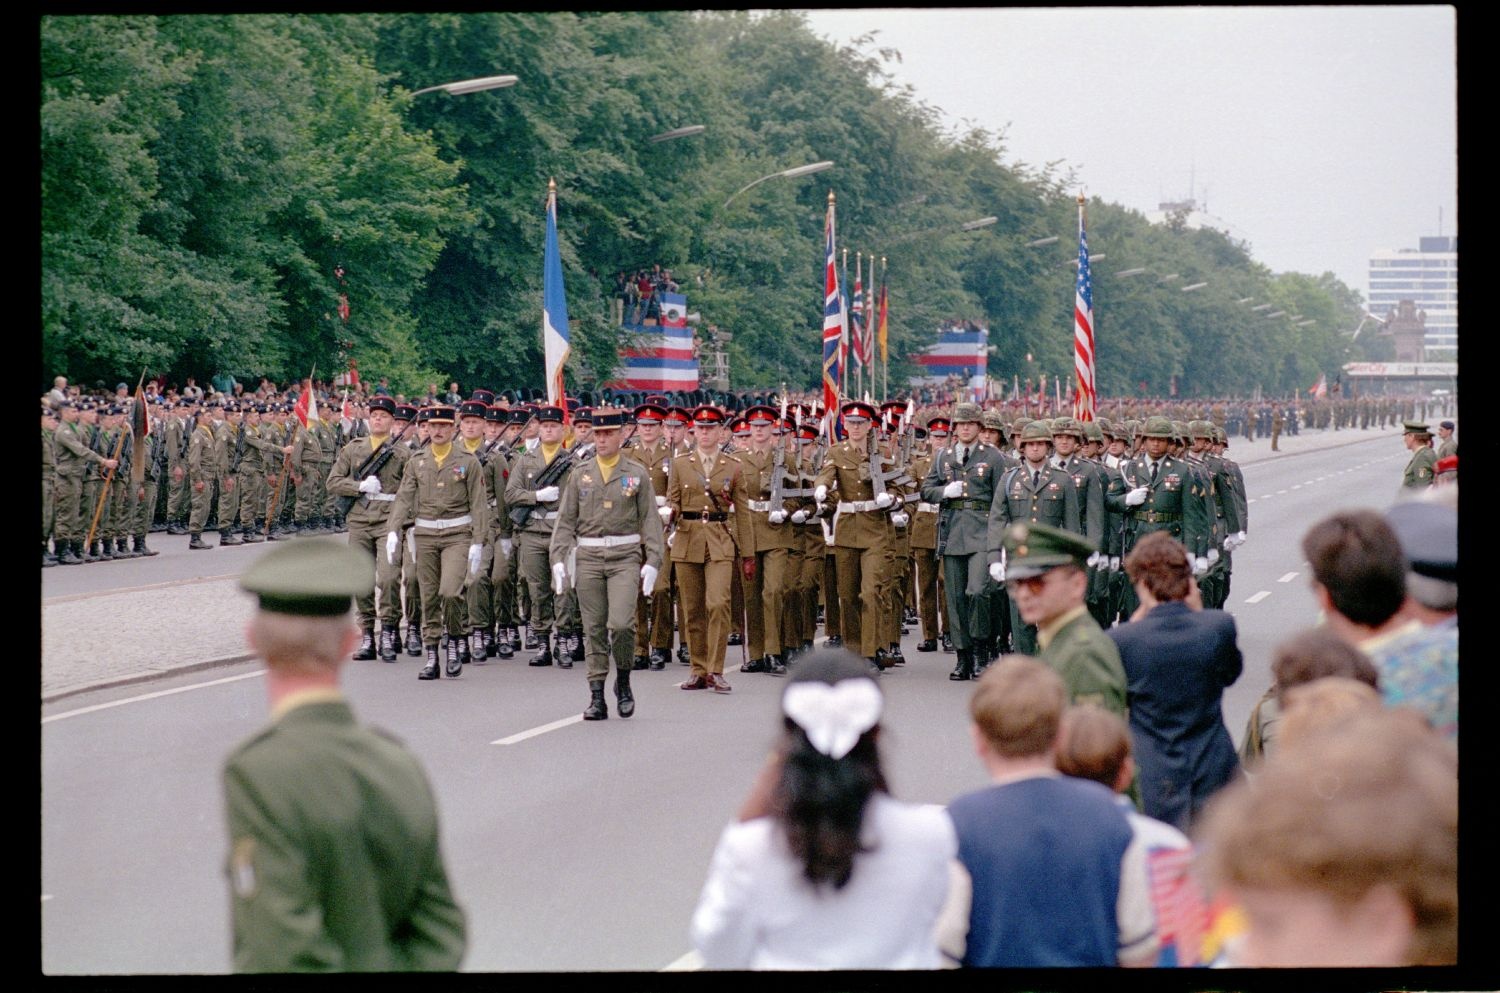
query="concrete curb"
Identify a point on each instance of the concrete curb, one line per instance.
(1268, 456)
(145, 677)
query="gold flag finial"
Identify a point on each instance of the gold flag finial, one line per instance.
(830, 198)
(1082, 199)
(551, 186)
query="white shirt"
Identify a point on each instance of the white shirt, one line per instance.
(758, 911)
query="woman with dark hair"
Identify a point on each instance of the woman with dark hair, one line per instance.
(1178, 659)
(824, 869)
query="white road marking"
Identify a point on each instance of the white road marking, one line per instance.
(1265, 496)
(148, 696)
(1287, 578)
(691, 962)
(1309, 482)
(1259, 596)
(1297, 487)
(513, 739)
(1279, 492)
(1251, 500)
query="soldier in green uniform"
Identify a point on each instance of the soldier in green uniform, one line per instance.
(307, 456)
(153, 457)
(1036, 491)
(479, 595)
(202, 467)
(535, 535)
(179, 433)
(1047, 577)
(1278, 420)
(369, 471)
(608, 526)
(231, 444)
(1419, 469)
(1449, 445)
(1068, 438)
(442, 497)
(49, 480)
(414, 439)
(924, 533)
(334, 862)
(499, 547)
(74, 455)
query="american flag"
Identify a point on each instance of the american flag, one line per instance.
(1083, 328)
(833, 320)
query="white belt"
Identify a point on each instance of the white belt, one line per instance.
(858, 506)
(443, 523)
(610, 541)
(928, 508)
(761, 506)
(550, 515)
(381, 497)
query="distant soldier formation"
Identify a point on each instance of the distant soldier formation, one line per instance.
(610, 530)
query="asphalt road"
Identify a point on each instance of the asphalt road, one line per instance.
(576, 847)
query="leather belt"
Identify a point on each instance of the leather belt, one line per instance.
(928, 508)
(609, 541)
(442, 523)
(857, 506)
(966, 505)
(1155, 517)
(697, 515)
(381, 497)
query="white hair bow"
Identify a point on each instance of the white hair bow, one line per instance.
(833, 716)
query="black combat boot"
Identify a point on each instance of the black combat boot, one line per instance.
(462, 641)
(229, 536)
(69, 554)
(544, 657)
(834, 641)
(475, 649)
(502, 645)
(735, 638)
(930, 645)
(776, 665)
(755, 665)
(487, 643)
(532, 641)
(639, 662)
(122, 548)
(895, 655)
(366, 645)
(430, 670)
(597, 710)
(883, 659)
(683, 656)
(251, 535)
(965, 668)
(515, 638)
(624, 701)
(577, 642)
(387, 644)
(196, 542)
(947, 643)
(141, 548)
(657, 661)
(984, 654)
(413, 639)
(454, 664)
(105, 550)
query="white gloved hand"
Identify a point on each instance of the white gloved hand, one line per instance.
(392, 542)
(370, 484)
(648, 579)
(506, 547)
(1114, 563)
(547, 494)
(799, 516)
(665, 513)
(1200, 565)
(884, 500)
(661, 501)
(475, 551)
(777, 516)
(1136, 497)
(953, 490)
(820, 494)
(1239, 538)
(559, 578)
(1213, 556)
(1093, 560)
(997, 571)
(900, 518)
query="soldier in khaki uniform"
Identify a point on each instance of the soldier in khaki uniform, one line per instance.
(74, 455)
(924, 526)
(608, 526)
(442, 497)
(861, 533)
(499, 547)
(707, 497)
(772, 536)
(369, 472)
(535, 535)
(307, 456)
(230, 439)
(334, 862)
(49, 480)
(179, 433)
(202, 467)
(480, 592)
(653, 608)
(811, 547)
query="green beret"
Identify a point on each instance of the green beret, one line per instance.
(1037, 431)
(317, 578)
(1032, 549)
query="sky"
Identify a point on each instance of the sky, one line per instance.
(1319, 135)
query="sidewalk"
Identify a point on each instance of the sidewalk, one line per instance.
(97, 640)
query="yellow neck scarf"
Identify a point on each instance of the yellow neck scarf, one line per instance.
(441, 452)
(549, 452)
(607, 466)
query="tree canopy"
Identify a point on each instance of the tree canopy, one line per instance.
(213, 185)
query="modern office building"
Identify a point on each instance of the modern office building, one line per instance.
(1427, 276)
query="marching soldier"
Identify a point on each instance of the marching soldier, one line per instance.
(1419, 469)
(49, 481)
(369, 472)
(414, 438)
(1034, 492)
(499, 549)
(607, 523)
(812, 546)
(924, 530)
(964, 480)
(442, 496)
(535, 538)
(772, 537)
(1068, 438)
(653, 608)
(480, 591)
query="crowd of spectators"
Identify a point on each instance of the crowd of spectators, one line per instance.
(636, 297)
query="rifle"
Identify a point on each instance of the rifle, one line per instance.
(511, 445)
(371, 466)
(521, 513)
(239, 449)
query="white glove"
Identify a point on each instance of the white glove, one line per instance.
(547, 494)
(1136, 497)
(559, 578)
(997, 571)
(506, 547)
(1093, 560)
(1239, 538)
(1213, 556)
(777, 517)
(900, 518)
(1114, 563)
(1200, 565)
(820, 494)
(798, 517)
(884, 500)
(648, 579)
(392, 542)
(370, 484)
(475, 551)
(665, 513)
(953, 490)
(661, 501)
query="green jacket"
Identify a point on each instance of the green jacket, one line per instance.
(1089, 663)
(334, 862)
(1420, 469)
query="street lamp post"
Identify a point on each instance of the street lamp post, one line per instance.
(470, 85)
(793, 173)
(681, 132)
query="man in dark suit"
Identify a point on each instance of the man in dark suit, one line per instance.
(1178, 660)
(334, 862)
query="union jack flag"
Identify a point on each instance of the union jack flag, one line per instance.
(833, 319)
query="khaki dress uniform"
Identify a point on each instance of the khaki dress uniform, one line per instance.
(924, 528)
(202, 468)
(73, 456)
(369, 524)
(653, 615)
(231, 450)
(533, 544)
(307, 456)
(710, 528)
(861, 546)
(770, 544)
(608, 526)
(501, 565)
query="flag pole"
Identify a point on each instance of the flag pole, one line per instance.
(844, 343)
(885, 359)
